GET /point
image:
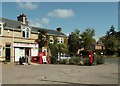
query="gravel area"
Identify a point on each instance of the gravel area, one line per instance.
(59, 74)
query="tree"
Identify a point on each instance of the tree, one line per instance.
(87, 37)
(57, 48)
(42, 41)
(74, 42)
(111, 41)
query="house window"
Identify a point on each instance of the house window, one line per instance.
(23, 33)
(1, 29)
(0, 52)
(60, 40)
(51, 40)
(26, 33)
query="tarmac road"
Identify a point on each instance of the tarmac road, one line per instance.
(60, 74)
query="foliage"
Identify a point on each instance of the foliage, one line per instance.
(87, 37)
(74, 60)
(74, 42)
(62, 48)
(111, 41)
(63, 61)
(77, 41)
(42, 38)
(53, 60)
(100, 59)
(55, 48)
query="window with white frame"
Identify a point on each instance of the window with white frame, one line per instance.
(60, 40)
(26, 33)
(1, 28)
(51, 40)
(0, 52)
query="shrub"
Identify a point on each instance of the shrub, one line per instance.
(64, 61)
(53, 60)
(100, 60)
(74, 60)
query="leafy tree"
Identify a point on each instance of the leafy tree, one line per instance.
(111, 41)
(55, 48)
(62, 48)
(42, 41)
(87, 37)
(74, 42)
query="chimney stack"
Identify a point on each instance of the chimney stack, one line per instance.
(23, 19)
(59, 29)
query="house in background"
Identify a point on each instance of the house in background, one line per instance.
(97, 46)
(94, 47)
(18, 39)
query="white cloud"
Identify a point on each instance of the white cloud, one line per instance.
(61, 13)
(45, 21)
(39, 23)
(27, 5)
(36, 24)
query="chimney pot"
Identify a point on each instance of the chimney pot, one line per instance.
(59, 29)
(22, 18)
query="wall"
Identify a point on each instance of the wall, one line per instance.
(8, 38)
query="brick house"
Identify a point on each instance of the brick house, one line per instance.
(18, 39)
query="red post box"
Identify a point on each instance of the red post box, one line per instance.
(90, 57)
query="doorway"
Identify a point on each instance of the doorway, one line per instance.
(7, 53)
(27, 55)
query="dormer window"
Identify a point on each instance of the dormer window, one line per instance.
(1, 29)
(26, 33)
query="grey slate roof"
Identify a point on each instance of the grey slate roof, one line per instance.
(15, 24)
(11, 23)
(49, 31)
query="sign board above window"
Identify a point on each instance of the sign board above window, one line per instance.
(25, 45)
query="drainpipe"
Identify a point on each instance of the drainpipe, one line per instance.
(13, 47)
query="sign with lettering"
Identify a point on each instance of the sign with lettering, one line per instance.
(25, 45)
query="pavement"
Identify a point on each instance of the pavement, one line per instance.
(60, 74)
